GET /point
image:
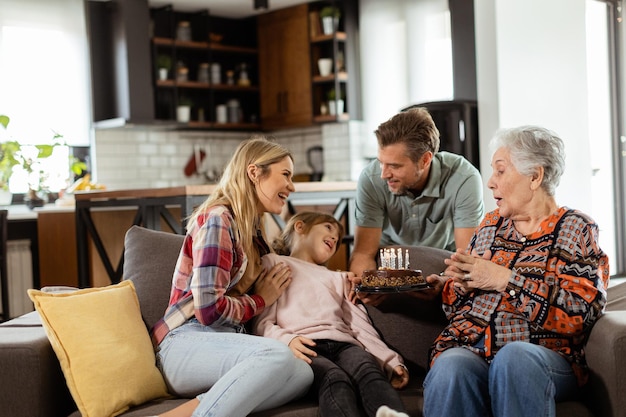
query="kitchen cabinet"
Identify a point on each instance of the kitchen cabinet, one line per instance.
(285, 68)
(210, 65)
(56, 231)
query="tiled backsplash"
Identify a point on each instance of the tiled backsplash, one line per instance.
(135, 158)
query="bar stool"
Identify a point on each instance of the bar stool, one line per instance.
(4, 280)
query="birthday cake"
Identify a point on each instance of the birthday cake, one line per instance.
(392, 277)
(393, 271)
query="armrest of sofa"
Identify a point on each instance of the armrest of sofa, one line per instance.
(606, 356)
(31, 380)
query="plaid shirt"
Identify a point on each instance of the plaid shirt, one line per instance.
(211, 261)
(555, 294)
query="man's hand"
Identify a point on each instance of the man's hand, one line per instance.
(298, 346)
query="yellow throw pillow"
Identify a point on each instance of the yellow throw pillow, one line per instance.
(103, 346)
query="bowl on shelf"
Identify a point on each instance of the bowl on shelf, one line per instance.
(215, 37)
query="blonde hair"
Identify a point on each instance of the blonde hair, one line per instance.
(236, 190)
(282, 244)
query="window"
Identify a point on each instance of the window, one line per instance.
(44, 80)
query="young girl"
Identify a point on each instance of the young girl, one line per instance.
(218, 285)
(323, 328)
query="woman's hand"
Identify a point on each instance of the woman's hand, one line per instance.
(271, 284)
(475, 271)
(436, 283)
(298, 346)
(399, 377)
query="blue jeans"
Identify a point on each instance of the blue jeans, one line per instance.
(523, 380)
(350, 382)
(231, 374)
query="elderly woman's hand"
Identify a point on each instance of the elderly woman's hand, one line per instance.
(435, 282)
(475, 271)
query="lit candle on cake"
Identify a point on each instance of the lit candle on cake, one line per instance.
(406, 259)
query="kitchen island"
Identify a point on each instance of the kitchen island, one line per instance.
(102, 218)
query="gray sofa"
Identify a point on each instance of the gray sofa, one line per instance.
(32, 384)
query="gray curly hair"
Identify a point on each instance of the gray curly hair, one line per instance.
(532, 147)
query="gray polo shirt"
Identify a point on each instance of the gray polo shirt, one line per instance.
(452, 198)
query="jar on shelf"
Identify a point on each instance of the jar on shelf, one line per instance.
(243, 80)
(182, 74)
(230, 77)
(216, 73)
(183, 31)
(221, 113)
(203, 72)
(234, 111)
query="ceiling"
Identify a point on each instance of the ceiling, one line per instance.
(225, 8)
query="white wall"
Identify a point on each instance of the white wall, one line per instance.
(406, 58)
(137, 158)
(531, 69)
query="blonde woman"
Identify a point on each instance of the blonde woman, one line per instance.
(219, 284)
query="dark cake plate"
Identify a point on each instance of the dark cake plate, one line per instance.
(382, 290)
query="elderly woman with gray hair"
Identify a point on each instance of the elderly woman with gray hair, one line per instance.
(522, 298)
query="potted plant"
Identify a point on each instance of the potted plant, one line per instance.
(335, 103)
(183, 110)
(8, 159)
(330, 19)
(12, 154)
(164, 65)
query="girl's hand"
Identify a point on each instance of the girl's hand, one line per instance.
(271, 284)
(298, 346)
(399, 377)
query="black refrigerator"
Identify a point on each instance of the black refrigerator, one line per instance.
(457, 121)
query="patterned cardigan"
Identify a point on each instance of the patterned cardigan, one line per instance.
(556, 292)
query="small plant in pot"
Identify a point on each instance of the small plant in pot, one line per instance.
(183, 110)
(164, 65)
(330, 19)
(335, 102)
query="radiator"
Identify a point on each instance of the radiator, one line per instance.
(20, 274)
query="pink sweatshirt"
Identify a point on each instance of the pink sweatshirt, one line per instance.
(315, 305)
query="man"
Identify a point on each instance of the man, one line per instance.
(413, 194)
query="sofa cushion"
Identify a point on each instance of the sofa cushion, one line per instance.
(103, 347)
(149, 261)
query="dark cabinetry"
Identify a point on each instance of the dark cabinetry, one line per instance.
(120, 62)
(284, 70)
(207, 63)
(257, 72)
(295, 89)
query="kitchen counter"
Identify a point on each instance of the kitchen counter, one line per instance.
(168, 208)
(205, 190)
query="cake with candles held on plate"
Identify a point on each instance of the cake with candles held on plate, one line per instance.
(393, 271)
